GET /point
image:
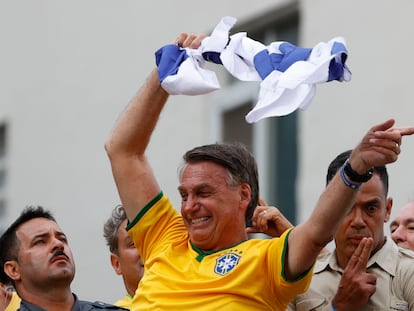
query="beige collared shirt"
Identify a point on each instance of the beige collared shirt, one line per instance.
(393, 266)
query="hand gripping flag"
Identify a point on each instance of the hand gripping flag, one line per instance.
(288, 74)
(182, 70)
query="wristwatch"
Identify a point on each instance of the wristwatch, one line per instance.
(354, 176)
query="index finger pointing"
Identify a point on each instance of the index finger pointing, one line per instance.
(406, 131)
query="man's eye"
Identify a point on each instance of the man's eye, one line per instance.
(204, 194)
(372, 208)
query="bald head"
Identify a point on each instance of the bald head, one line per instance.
(402, 227)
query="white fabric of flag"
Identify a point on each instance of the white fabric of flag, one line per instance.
(182, 71)
(287, 74)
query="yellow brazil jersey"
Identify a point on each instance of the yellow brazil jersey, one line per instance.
(14, 303)
(178, 276)
(125, 302)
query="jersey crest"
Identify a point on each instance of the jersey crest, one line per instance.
(226, 263)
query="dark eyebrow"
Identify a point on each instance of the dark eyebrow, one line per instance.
(409, 220)
(372, 201)
(59, 233)
(41, 235)
(198, 187)
(46, 234)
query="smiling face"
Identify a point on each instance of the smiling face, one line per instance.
(213, 211)
(366, 219)
(44, 257)
(402, 228)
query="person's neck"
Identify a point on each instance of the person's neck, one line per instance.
(50, 300)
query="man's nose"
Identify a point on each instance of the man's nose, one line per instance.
(357, 217)
(399, 235)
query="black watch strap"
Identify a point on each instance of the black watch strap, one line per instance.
(354, 176)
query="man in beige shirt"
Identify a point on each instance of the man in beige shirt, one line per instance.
(366, 271)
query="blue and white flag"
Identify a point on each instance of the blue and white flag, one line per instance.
(288, 74)
(181, 70)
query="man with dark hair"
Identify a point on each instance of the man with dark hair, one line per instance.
(239, 162)
(36, 258)
(366, 271)
(203, 259)
(125, 258)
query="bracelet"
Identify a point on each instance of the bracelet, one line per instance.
(354, 176)
(346, 181)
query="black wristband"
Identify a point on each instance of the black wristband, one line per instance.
(354, 176)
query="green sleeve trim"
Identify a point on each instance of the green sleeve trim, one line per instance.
(144, 210)
(285, 246)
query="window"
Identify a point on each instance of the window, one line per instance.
(272, 140)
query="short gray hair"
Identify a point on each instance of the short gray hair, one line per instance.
(111, 228)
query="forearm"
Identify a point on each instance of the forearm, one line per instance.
(126, 147)
(136, 124)
(309, 238)
(334, 203)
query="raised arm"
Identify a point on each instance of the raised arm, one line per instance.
(380, 146)
(126, 146)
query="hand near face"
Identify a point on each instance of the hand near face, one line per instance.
(356, 285)
(268, 220)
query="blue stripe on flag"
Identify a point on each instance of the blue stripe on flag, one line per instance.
(168, 59)
(213, 57)
(336, 65)
(292, 54)
(265, 63)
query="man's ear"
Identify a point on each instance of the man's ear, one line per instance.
(388, 209)
(116, 264)
(11, 268)
(245, 194)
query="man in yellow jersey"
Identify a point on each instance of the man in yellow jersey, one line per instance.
(203, 259)
(125, 258)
